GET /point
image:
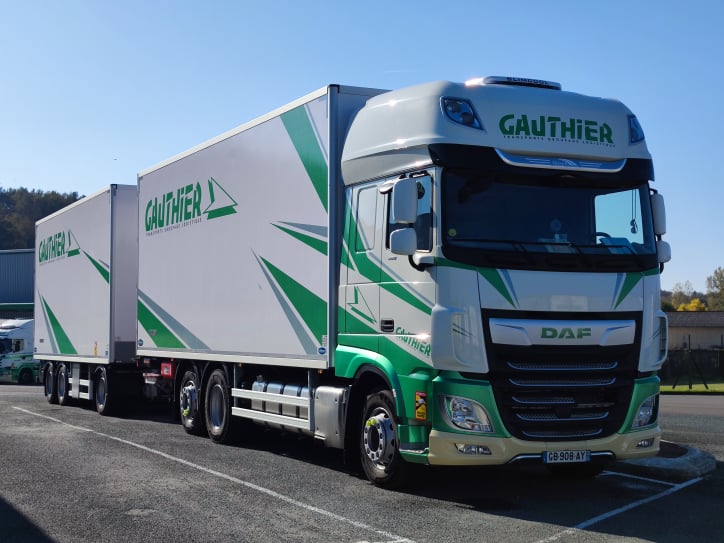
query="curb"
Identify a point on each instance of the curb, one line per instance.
(675, 463)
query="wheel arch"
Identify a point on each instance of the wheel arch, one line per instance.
(365, 368)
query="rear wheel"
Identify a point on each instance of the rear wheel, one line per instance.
(63, 388)
(379, 442)
(192, 417)
(104, 406)
(49, 384)
(217, 407)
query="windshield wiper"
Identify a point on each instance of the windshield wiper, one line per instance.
(605, 250)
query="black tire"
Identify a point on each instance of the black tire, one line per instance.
(63, 385)
(26, 377)
(104, 403)
(379, 445)
(576, 472)
(190, 405)
(217, 407)
(49, 384)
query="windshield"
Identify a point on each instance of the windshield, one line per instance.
(556, 222)
(5, 346)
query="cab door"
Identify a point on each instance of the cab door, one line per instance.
(360, 271)
(407, 290)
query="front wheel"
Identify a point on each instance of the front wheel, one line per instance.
(217, 407)
(26, 377)
(379, 442)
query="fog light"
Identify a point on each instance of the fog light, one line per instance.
(464, 448)
(645, 443)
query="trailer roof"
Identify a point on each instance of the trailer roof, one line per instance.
(262, 119)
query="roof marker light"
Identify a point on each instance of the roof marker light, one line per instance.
(475, 82)
(516, 81)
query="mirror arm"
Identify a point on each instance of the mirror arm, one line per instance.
(421, 262)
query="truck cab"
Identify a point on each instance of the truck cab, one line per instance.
(505, 245)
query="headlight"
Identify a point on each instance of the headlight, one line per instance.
(467, 414)
(647, 412)
(635, 132)
(461, 112)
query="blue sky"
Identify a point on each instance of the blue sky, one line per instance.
(94, 91)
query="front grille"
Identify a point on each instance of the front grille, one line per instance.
(553, 366)
(546, 393)
(563, 383)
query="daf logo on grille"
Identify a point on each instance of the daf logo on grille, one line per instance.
(564, 333)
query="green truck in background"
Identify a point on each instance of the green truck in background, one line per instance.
(16, 352)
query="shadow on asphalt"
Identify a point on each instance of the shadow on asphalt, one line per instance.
(17, 528)
(136, 410)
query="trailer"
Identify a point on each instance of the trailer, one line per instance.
(85, 296)
(447, 274)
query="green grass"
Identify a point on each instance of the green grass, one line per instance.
(682, 387)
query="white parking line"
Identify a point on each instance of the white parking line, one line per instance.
(389, 537)
(590, 522)
(638, 478)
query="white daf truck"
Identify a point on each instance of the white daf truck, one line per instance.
(447, 274)
(17, 364)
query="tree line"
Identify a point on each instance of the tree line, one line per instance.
(20, 208)
(684, 298)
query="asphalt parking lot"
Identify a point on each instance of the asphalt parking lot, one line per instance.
(71, 475)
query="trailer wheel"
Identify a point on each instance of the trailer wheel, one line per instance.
(63, 391)
(190, 411)
(102, 393)
(217, 407)
(51, 391)
(379, 443)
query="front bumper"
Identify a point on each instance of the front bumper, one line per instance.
(443, 449)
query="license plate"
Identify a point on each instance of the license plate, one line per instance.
(566, 457)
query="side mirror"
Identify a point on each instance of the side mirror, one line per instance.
(658, 212)
(403, 241)
(404, 202)
(663, 249)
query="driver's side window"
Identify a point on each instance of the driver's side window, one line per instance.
(618, 215)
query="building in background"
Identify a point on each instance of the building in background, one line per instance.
(16, 283)
(696, 330)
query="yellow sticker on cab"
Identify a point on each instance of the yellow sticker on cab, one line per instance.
(420, 406)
